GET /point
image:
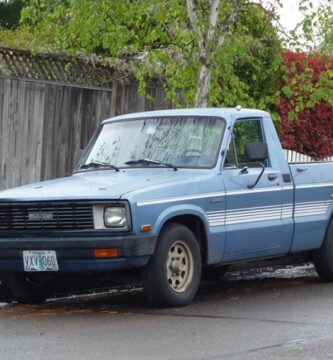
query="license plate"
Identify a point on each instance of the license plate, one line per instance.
(39, 260)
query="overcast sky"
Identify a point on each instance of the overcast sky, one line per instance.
(290, 15)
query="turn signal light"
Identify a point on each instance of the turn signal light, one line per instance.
(146, 228)
(106, 253)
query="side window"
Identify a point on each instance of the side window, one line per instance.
(244, 131)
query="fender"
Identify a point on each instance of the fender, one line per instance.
(330, 213)
(214, 242)
(317, 230)
(327, 224)
(329, 220)
(178, 210)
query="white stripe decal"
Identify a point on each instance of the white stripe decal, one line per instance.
(254, 214)
(243, 221)
(180, 198)
(267, 213)
(262, 190)
(315, 185)
(232, 192)
(212, 195)
(263, 208)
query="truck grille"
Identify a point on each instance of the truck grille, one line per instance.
(45, 216)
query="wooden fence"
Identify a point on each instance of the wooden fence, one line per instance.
(45, 125)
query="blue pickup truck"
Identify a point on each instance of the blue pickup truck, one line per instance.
(171, 193)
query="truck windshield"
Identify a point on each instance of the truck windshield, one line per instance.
(174, 141)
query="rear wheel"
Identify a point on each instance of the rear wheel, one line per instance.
(172, 276)
(323, 257)
(30, 288)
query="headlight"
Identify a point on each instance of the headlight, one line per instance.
(116, 217)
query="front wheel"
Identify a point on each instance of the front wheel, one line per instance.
(172, 275)
(5, 295)
(30, 288)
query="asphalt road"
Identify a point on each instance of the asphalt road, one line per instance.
(281, 314)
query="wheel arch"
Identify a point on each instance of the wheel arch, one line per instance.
(328, 224)
(193, 218)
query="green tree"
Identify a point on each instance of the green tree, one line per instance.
(315, 32)
(227, 47)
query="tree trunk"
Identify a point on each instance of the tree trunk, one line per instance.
(201, 98)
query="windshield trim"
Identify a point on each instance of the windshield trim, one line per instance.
(91, 142)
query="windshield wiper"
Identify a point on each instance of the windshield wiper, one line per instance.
(150, 161)
(98, 164)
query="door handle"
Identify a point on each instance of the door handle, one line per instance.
(272, 177)
(301, 169)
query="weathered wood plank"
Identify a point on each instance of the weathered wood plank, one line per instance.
(45, 126)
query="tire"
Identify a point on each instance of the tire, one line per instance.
(30, 288)
(214, 273)
(323, 257)
(5, 295)
(172, 275)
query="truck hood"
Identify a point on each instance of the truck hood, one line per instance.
(102, 184)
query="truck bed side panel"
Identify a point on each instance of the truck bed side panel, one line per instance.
(313, 203)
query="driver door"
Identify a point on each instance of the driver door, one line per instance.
(254, 221)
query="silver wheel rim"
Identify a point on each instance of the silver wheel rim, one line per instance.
(179, 266)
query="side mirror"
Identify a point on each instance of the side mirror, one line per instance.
(256, 151)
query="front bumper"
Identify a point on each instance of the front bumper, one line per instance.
(77, 254)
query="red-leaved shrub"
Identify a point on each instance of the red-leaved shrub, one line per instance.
(305, 106)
